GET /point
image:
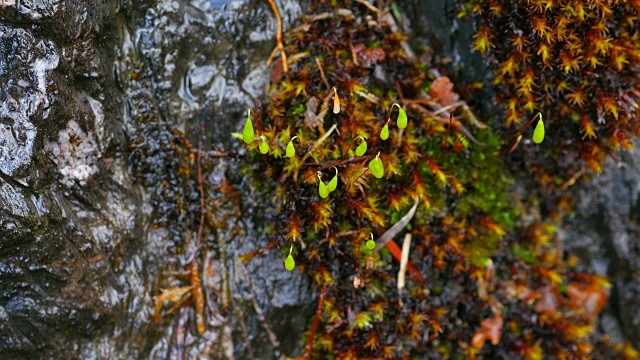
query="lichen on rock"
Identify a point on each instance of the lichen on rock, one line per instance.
(75, 153)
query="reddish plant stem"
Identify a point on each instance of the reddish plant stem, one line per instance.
(279, 44)
(181, 333)
(366, 170)
(196, 291)
(528, 124)
(446, 137)
(349, 148)
(245, 335)
(514, 144)
(445, 140)
(314, 325)
(328, 165)
(200, 188)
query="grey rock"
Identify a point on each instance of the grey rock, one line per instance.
(80, 256)
(605, 234)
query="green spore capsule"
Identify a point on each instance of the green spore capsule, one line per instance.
(333, 183)
(362, 148)
(402, 117)
(264, 145)
(384, 134)
(247, 132)
(289, 264)
(538, 132)
(322, 188)
(376, 167)
(370, 244)
(291, 151)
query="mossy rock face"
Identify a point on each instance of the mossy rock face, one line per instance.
(103, 213)
(576, 62)
(479, 257)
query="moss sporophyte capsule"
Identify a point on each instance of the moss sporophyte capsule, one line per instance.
(336, 101)
(289, 263)
(322, 188)
(333, 183)
(384, 134)
(248, 134)
(370, 244)
(362, 148)
(376, 167)
(264, 145)
(538, 132)
(291, 151)
(402, 117)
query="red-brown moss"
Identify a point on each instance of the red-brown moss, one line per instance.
(577, 62)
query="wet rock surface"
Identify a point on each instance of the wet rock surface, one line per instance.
(56, 236)
(82, 249)
(80, 256)
(605, 235)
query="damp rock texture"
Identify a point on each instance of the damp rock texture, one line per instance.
(67, 207)
(26, 70)
(605, 235)
(91, 96)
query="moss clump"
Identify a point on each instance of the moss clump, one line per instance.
(576, 61)
(473, 279)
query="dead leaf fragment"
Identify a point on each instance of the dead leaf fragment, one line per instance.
(368, 57)
(173, 295)
(591, 297)
(491, 329)
(441, 89)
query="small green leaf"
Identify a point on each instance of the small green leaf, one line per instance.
(362, 148)
(538, 132)
(264, 145)
(247, 132)
(402, 117)
(289, 264)
(376, 167)
(333, 183)
(291, 151)
(322, 189)
(384, 134)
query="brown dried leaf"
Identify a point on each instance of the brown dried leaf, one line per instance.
(172, 295)
(227, 188)
(310, 118)
(591, 297)
(491, 330)
(442, 90)
(368, 57)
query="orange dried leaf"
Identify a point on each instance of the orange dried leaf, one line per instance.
(591, 297)
(441, 90)
(172, 295)
(491, 329)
